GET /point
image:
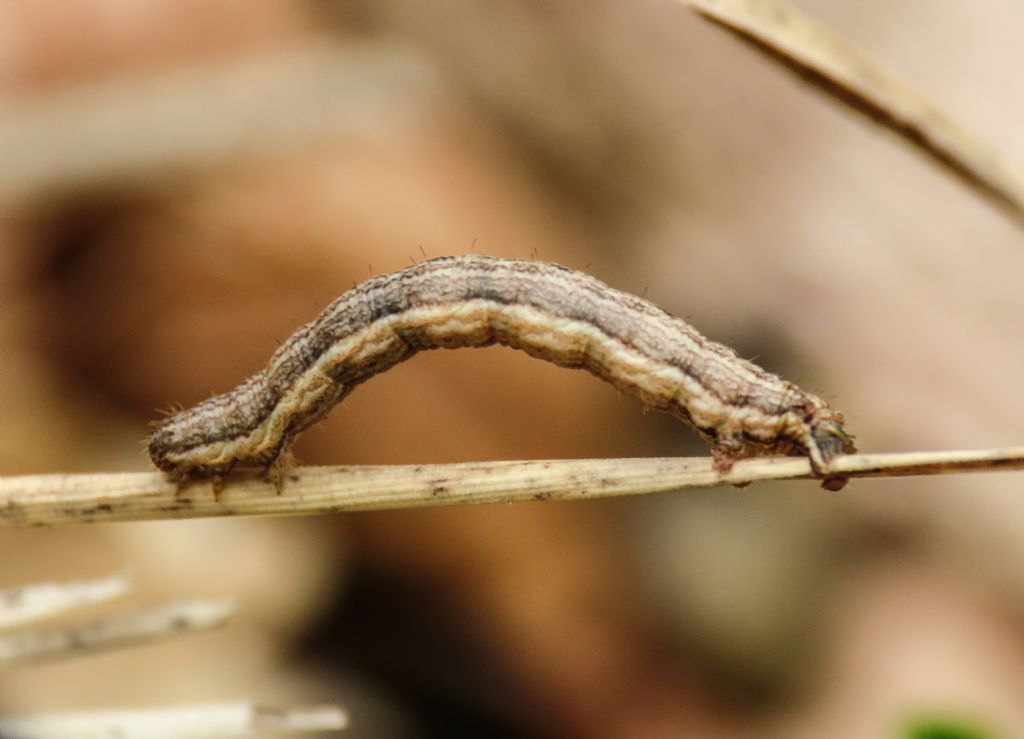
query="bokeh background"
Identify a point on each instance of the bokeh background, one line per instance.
(184, 183)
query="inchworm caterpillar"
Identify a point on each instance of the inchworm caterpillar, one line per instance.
(548, 311)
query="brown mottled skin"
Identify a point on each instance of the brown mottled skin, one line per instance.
(550, 312)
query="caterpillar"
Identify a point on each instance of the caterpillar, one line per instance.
(550, 312)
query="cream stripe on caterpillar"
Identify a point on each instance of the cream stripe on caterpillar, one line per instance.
(548, 311)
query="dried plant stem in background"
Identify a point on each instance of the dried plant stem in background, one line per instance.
(42, 600)
(195, 119)
(127, 629)
(182, 722)
(161, 125)
(64, 499)
(835, 66)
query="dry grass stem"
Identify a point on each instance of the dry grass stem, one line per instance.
(140, 130)
(39, 500)
(113, 632)
(42, 600)
(183, 722)
(835, 66)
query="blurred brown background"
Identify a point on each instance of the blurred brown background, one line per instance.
(182, 184)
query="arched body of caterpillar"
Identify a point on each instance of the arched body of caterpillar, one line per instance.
(548, 311)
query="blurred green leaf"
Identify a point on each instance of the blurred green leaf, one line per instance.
(945, 729)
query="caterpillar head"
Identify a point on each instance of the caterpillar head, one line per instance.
(828, 440)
